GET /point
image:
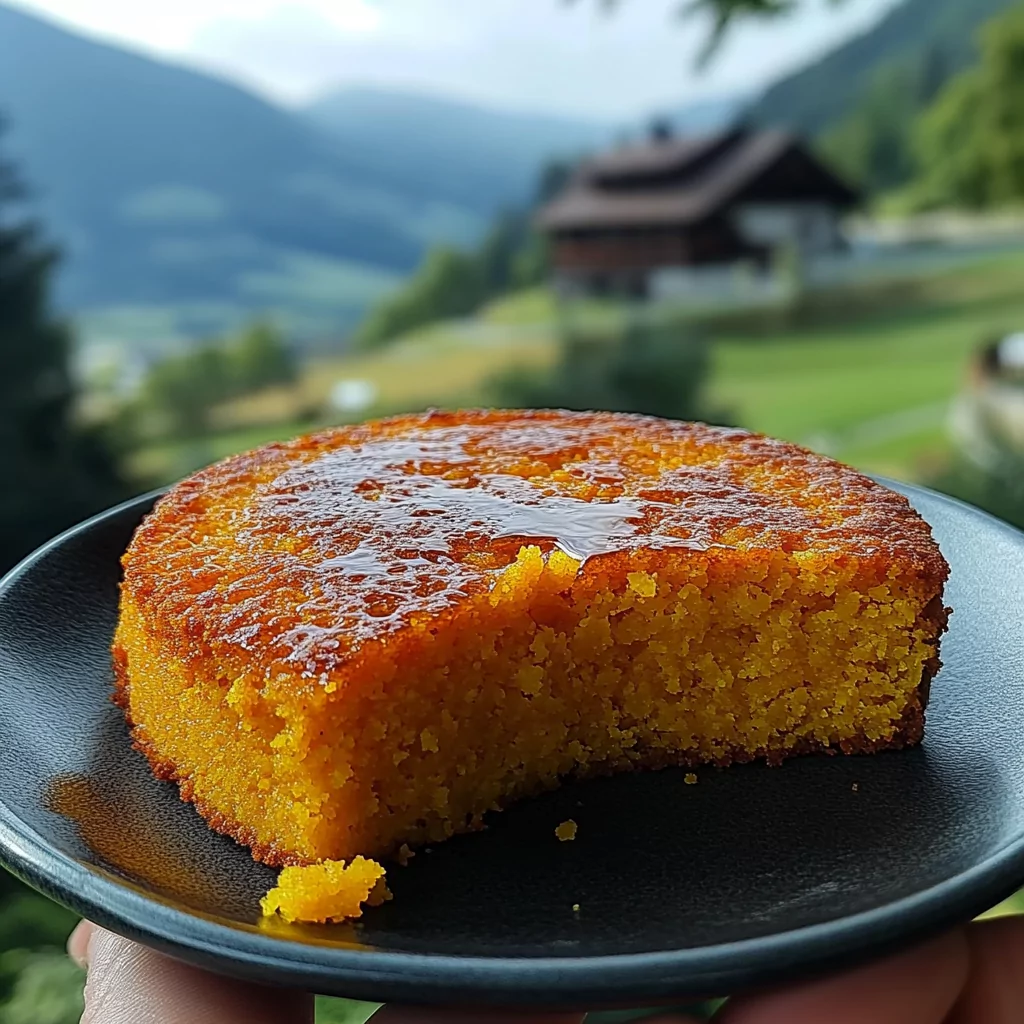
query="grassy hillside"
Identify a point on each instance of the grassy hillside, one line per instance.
(870, 388)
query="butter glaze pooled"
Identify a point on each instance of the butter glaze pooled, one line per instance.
(311, 548)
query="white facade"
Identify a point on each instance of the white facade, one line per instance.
(812, 227)
(732, 283)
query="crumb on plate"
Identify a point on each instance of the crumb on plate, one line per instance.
(566, 831)
(328, 891)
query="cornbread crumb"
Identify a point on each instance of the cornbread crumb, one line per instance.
(405, 854)
(329, 891)
(690, 779)
(566, 831)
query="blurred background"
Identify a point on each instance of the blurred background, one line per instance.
(227, 222)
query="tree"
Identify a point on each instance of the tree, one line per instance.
(452, 283)
(873, 143)
(447, 284)
(723, 14)
(655, 368)
(183, 389)
(970, 142)
(53, 472)
(261, 358)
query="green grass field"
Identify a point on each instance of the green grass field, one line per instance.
(868, 386)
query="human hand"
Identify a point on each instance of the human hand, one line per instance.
(974, 975)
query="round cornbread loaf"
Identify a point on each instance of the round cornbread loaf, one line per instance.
(373, 635)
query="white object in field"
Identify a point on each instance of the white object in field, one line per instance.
(1011, 351)
(353, 395)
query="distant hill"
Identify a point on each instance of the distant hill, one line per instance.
(183, 201)
(819, 96)
(445, 149)
(708, 116)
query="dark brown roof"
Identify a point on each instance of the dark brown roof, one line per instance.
(652, 160)
(695, 181)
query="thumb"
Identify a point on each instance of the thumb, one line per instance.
(131, 984)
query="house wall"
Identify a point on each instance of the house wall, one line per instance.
(813, 226)
(734, 284)
(611, 251)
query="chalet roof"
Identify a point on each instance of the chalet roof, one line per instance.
(685, 181)
(653, 160)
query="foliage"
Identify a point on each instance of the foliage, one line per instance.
(817, 98)
(872, 144)
(653, 368)
(340, 1011)
(47, 988)
(723, 15)
(54, 472)
(970, 142)
(183, 390)
(38, 984)
(447, 284)
(451, 284)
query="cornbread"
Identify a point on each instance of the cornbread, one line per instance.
(328, 891)
(371, 636)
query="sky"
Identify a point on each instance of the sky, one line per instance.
(539, 55)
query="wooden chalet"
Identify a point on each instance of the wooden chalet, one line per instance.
(690, 204)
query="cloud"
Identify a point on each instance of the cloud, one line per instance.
(527, 54)
(535, 54)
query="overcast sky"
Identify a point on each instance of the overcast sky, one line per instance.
(519, 54)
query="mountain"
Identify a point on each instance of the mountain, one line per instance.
(183, 203)
(455, 151)
(708, 116)
(915, 31)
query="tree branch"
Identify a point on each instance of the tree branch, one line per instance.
(724, 14)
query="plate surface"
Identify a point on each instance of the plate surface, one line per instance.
(752, 876)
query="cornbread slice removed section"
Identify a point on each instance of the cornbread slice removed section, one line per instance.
(371, 636)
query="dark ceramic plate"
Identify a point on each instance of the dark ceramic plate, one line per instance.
(752, 876)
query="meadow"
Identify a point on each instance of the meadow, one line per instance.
(866, 377)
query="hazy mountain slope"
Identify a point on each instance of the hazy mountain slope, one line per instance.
(444, 148)
(167, 187)
(819, 96)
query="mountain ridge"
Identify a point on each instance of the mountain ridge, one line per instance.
(173, 189)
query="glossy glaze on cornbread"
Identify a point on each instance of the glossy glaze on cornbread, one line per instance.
(375, 634)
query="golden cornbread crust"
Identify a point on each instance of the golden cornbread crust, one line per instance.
(373, 635)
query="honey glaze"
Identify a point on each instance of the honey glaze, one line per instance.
(304, 551)
(119, 831)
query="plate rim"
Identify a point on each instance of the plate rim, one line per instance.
(555, 982)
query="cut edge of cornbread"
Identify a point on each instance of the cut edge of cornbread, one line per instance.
(633, 660)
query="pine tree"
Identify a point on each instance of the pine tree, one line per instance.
(52, 472)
